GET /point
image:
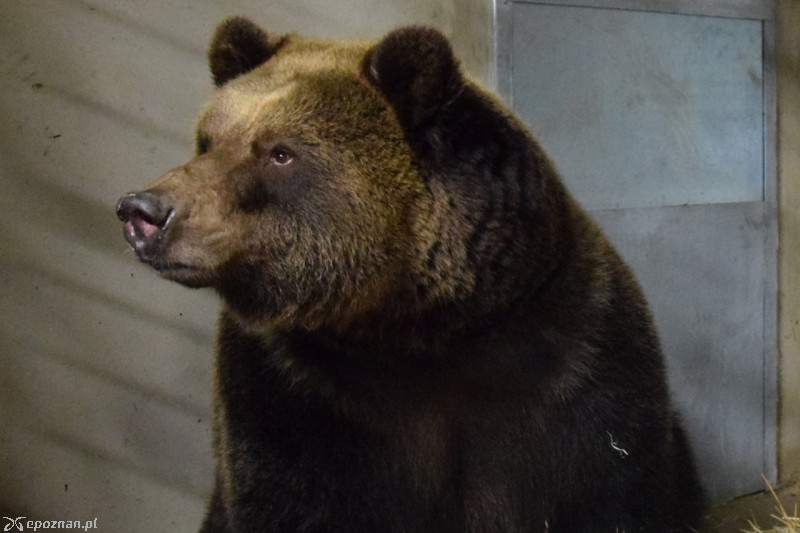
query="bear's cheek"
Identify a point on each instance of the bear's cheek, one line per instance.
(201, 247)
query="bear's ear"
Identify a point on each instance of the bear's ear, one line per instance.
(414, 67)
(238, 46)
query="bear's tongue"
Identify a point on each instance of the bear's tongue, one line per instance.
(139, 226)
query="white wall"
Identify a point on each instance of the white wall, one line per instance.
(105, 369)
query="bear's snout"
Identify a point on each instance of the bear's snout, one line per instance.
(146, 218)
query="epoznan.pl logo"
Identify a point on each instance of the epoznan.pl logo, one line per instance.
(20, 524)
(14, 523)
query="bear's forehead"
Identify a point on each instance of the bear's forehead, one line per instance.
(234, 111)
(300, 54)
(281, 87)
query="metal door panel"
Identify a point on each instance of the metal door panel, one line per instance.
(643, 109)
(703, 270)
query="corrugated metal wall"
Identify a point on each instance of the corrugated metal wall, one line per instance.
(104, 368)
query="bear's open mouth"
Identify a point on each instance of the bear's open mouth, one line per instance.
(139, 227)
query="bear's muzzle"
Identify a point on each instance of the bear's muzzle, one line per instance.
(146, 220)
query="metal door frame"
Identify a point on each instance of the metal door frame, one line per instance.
(501, 76)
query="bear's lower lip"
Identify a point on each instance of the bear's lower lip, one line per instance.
(167, 267)
(182, 273)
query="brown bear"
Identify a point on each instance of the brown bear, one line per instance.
(421, 329)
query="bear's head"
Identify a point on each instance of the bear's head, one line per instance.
(334, 181)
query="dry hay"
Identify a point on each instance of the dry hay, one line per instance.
(785, 522)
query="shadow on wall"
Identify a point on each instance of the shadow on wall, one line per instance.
(106, 381)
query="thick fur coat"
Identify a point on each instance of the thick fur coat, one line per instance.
(421, 331)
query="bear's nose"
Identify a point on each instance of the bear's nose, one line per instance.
(145, 217)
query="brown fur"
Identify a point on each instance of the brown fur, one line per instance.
(422, 330)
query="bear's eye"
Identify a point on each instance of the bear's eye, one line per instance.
(280, 157)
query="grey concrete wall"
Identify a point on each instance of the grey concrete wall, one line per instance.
(105, 368)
